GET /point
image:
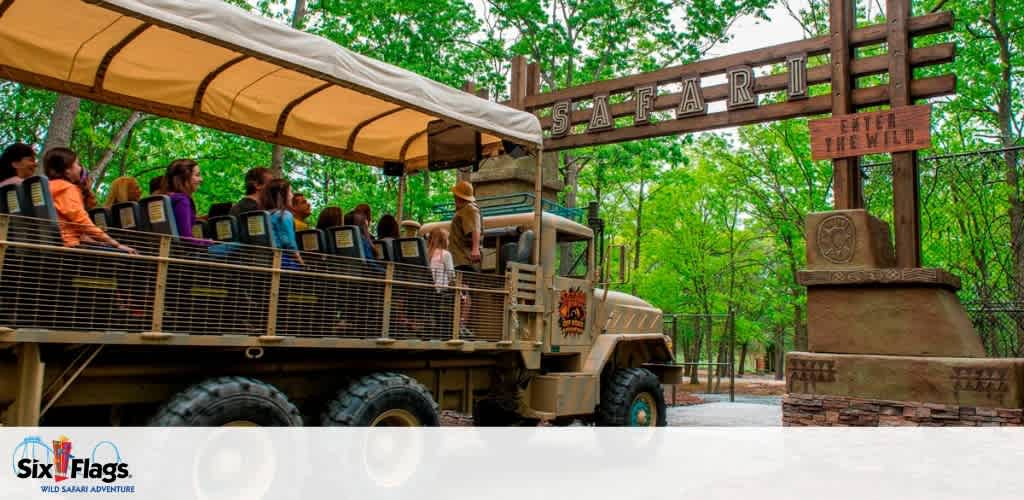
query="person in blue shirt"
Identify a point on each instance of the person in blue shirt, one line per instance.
(275, 198)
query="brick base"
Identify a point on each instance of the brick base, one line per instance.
(799, 410)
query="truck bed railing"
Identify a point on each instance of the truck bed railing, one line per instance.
(200, 287)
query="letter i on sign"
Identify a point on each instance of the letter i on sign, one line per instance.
(797, 86)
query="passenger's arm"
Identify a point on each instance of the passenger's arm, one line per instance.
(288, 238)
(76, 214)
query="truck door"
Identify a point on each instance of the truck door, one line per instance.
(572, 307)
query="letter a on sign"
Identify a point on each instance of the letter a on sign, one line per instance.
(644, 99)
(692, 102)
(741, 87)
(560, 118)
(601, 119)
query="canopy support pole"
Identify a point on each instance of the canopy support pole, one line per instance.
(400, 210)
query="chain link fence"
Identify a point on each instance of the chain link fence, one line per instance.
(970, 217)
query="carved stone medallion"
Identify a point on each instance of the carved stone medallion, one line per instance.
(837, 239)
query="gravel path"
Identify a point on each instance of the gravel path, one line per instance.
(726, 415)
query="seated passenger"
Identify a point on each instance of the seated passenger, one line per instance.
(359, 220)
(387, 227)
(123, 189)
(256, 179)
(301, 209)
(364, 209)
(17, 162)
(330, 217)
(67, 189)
(156, 185)
(441, 265)
(218, 210)
(181, 182)
(275, 198)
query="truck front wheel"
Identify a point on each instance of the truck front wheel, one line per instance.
(383, 400)
(632, 397)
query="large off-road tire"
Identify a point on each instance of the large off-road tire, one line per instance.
(382, 399)
(226, 401)
(632, 397)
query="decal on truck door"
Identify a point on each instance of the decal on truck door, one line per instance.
(572, 312)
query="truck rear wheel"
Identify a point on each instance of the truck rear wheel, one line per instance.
(228, 401)
(632, 397)
(383, 400)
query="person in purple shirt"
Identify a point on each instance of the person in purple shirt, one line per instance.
(181, 181)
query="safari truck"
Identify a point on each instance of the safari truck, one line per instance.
(222, 327)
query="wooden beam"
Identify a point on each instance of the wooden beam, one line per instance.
(358, 128)
(517, 90)
(282, 120)
(29, 398)
(197, 101)
(532, 79)
(905, 186)
(870, 35)
(920, 57)
(847, 189)
(112, 52)
(873, 96)
(4, 5)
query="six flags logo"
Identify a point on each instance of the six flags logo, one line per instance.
(62, 465)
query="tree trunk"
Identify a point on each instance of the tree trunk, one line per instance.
(743, 360)
(780, 351)
(1004, 108)
(62, 124)
(100, 168)
(277, 154)
(695, 355)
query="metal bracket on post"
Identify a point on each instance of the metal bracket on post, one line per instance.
(160, 293)
(275, 298)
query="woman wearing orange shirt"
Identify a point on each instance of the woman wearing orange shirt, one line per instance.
(66, 177)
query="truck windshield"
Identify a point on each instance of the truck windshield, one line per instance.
(572, 258)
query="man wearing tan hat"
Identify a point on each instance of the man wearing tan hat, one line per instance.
(466, 227)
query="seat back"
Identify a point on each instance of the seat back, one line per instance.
(255, 228)
(223, 228)
(101, 217)
(36, 194)
(411, 251)
(12, 200)
(125, 215)
(385, 247)
(346, 241)
(158, 216)
(311, 240)
(199, 230)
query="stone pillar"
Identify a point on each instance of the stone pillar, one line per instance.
(889, 345)
(506, 175)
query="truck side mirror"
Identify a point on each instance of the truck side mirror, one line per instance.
(623, 265)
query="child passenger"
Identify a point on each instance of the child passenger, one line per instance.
(441, 265)
(180, 183)
(68, 189)
(275, 198)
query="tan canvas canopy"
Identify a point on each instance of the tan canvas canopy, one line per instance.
(209, 63)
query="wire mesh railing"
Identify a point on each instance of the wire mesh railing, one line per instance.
(201, 287)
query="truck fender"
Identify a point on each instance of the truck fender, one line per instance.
(656, 355)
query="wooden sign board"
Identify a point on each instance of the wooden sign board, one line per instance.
(904, 128)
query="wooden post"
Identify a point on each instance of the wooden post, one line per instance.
(457, 319)
(160, 292)
(275, 299)
(906, 204)
(389, 277)
(519, 85)
(29, 397)
(847, 191)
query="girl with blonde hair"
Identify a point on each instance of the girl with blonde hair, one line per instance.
(123, 189)
(441, 264)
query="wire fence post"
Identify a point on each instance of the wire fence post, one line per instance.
(732, 355)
